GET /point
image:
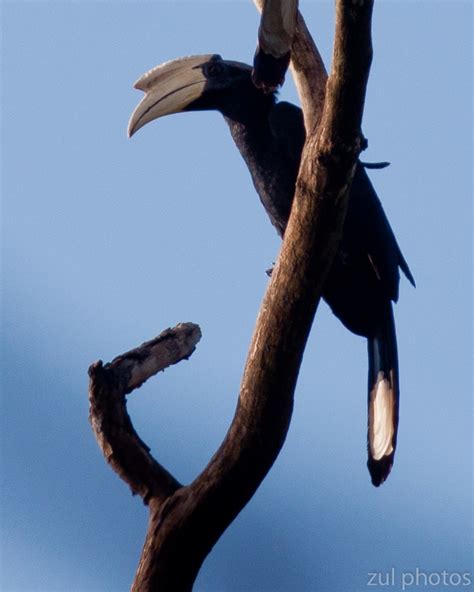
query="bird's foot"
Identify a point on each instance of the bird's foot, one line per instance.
(270, 270)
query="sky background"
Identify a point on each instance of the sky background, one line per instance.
(107, 241)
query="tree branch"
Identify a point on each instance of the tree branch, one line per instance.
(127, 454)
(309, 72)
(275, 38)
(183, 530)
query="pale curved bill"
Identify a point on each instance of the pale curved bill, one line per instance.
(168, 88)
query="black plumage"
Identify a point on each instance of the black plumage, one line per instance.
(364, 277)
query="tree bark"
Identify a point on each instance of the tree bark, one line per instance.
(186, 521)
(307, 66)
(127, 454)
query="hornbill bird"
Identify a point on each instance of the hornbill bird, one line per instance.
(364, 277)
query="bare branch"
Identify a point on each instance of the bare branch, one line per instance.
(194, 517)
(308, 70)
(143, 362)
(185, 522)
(128, 455)
(275, 38)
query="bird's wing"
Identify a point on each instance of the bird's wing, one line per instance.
(287, 125)
(375, 234)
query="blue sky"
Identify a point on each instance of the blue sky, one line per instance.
(107, 241)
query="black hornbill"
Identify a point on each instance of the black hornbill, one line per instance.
(364, 277)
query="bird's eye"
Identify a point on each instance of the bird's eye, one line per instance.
(214, 69)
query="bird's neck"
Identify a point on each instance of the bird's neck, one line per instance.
(263, 156)
(253, 138)
(247, 116)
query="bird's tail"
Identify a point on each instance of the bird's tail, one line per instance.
(383, 398)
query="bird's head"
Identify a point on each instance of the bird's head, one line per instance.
(195, 83)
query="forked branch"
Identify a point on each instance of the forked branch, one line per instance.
(185, 522)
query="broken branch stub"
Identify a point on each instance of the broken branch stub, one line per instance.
(109, 384)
